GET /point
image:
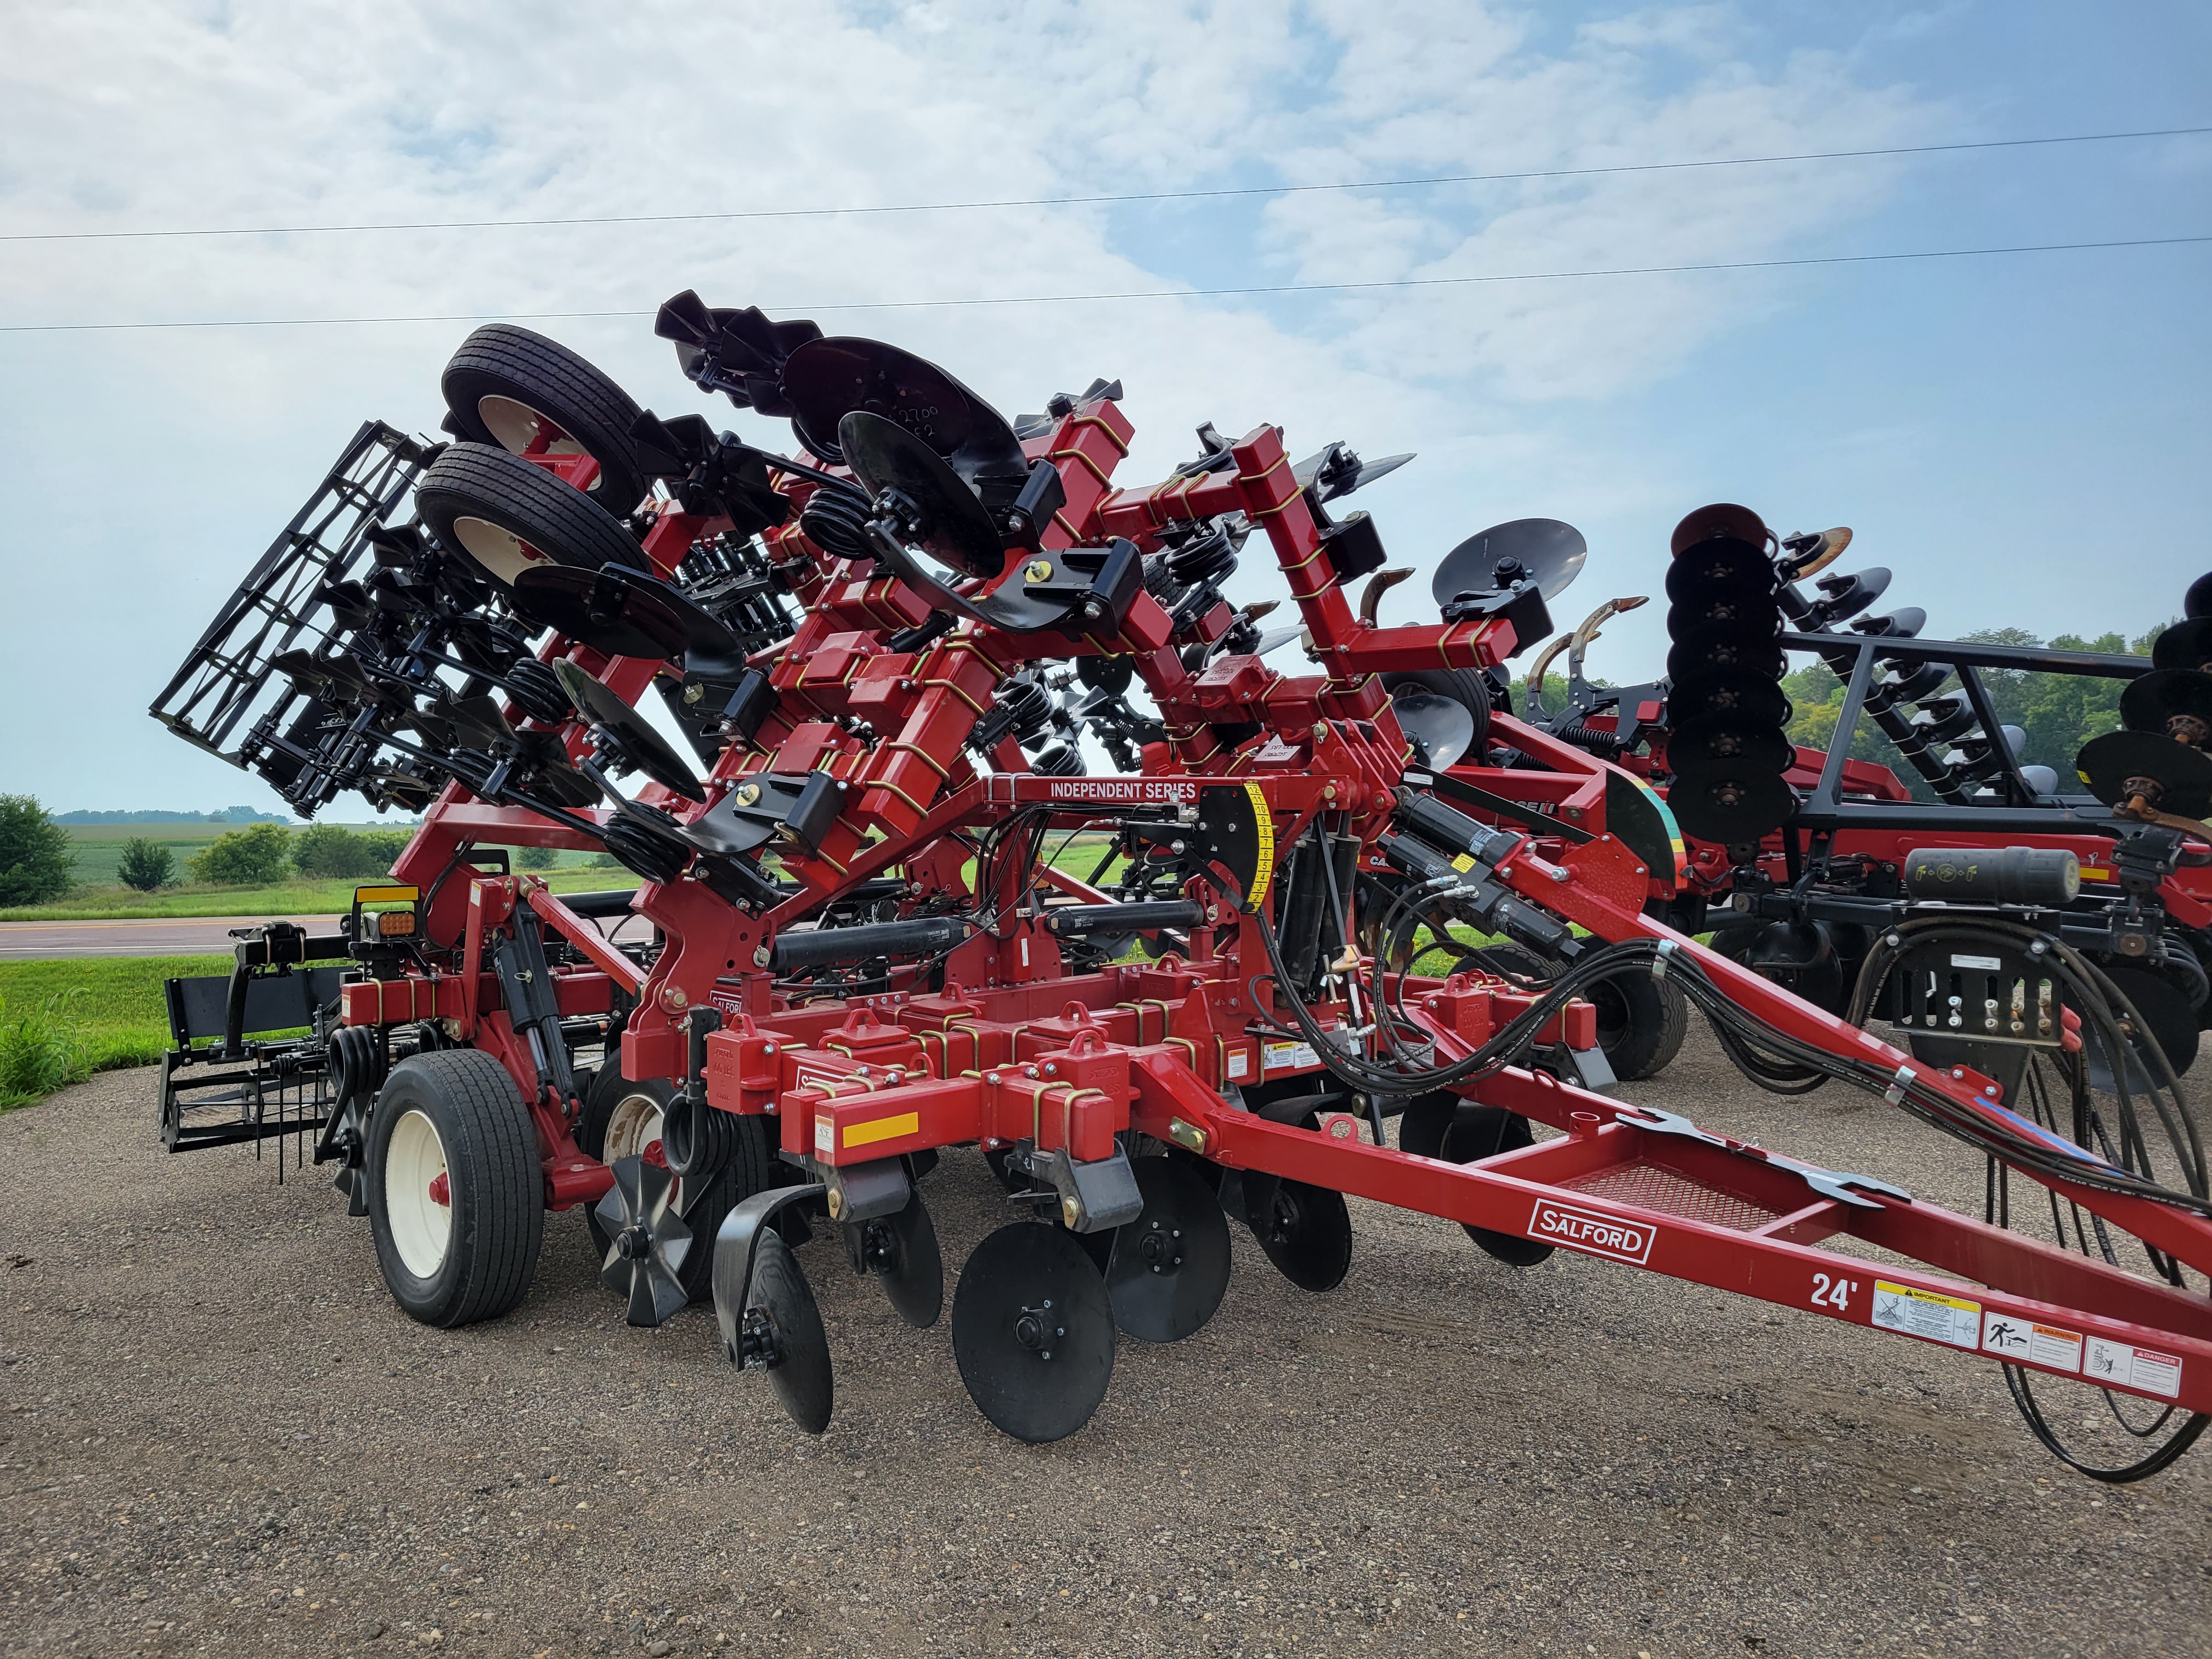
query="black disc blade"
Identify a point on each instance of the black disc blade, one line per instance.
(1733, 809)
(955, 528)
(2164, 695)
(2116, 766)
(1550, 550)
(1033, 1332)
(1754, 700)
(1169, 1268)
(827, 379)
(1305, 1231)
(798, 1370)
(2185, 645)
(1714, 744)
(601, 609)
(901, 1249)
(642, 746)
(2169, 1020)
(1445, 727)
(2197, 602)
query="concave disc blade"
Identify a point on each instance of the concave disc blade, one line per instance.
(955, 528)
(800, 1370)
(640, 745)
(623, 612)
(1717, 743)
(2185, 645)
(1460, 1131)
(2171, 1024)
(1033, 1332)
(1754, 700)
(1723, 618)
(1691, 665)
(1305, 1231)
(2149, 704)
(827, 379)
(1445, 728)
(1731, 810)
(2107, 764)
(1169, 1268)
(1551, 551)
(2197, 602)
(911, 1264)
(1722, 565)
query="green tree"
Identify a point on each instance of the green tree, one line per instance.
(535, 858)
(146, 865)
(332, 850)
(260, 856)
(35, 864)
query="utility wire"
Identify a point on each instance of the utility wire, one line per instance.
(1095, 201)
(1151, 294)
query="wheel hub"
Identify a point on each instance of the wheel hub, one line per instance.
(1036, 1329)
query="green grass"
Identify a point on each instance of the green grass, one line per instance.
(62, 1021)
(111, 901)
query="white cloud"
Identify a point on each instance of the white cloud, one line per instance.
(180, 453)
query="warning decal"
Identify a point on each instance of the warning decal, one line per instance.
(1291, 1056)
(1928, 1315)
(2010, 1337)
(2132, 1367)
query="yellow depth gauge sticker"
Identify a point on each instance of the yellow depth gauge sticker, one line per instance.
(1265, 819)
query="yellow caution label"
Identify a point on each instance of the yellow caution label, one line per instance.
(1463, 863)
(882, 1128)
(1264, 873)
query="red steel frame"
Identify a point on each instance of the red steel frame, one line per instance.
(1012, 1049)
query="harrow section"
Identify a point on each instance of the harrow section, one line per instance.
(1307, 904)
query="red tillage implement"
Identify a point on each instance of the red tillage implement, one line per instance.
(861, 953)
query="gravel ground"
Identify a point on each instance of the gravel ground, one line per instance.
(217, 1435)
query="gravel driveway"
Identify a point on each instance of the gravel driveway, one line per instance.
(218, 1435)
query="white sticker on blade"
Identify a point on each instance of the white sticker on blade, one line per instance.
(2010, 1337)
(1290, 1056)
(1239, 1064)
(2136, 1368)
(1927, 1314)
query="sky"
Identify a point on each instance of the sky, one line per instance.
(2021, 439)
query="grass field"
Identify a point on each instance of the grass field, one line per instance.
(98, 896)
(62, 1021)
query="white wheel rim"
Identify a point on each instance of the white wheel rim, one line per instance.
(634, 1129)
(517, 426)
(633, 1126)
(501, 552)
(422, 1227)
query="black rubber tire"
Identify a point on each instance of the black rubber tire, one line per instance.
(1640, 1022)
(497, 1190)
(752, 1167)
(559, 521)
(502, 361)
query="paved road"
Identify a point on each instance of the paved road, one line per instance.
(165, 936)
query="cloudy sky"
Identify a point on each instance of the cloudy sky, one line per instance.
(2023, 439)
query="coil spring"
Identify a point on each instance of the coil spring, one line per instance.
(643, 854)
(1026, 706)
(1589, 737)
(536, 689)
(835, 519)
(1058, 760)
(358, 1062)
(1205, 561)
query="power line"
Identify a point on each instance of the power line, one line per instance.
(1095, 201)
(1147, 294)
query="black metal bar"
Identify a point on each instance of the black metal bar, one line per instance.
(2035, 659)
